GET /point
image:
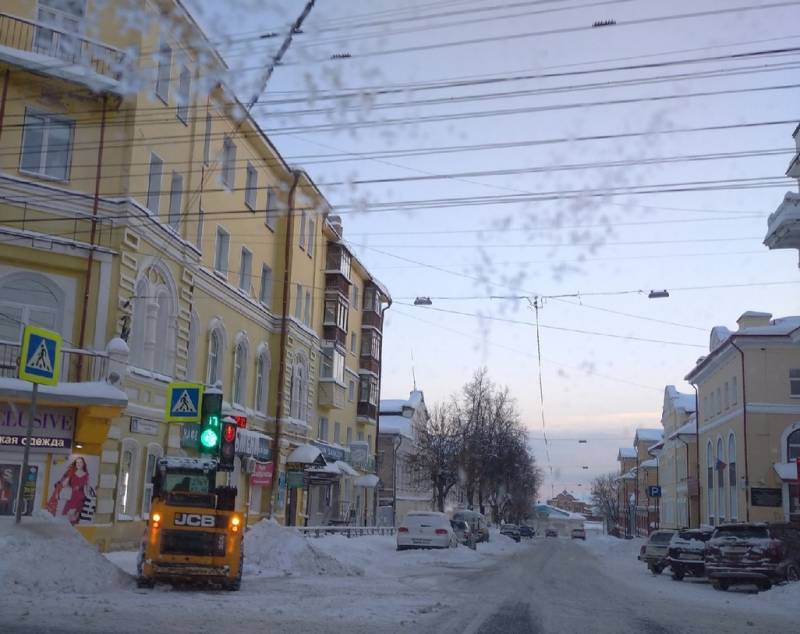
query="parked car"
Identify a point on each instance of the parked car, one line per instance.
(656, 550)
(511, 530)
(477, 522)
(463, 533)
(551, 532)
(686, 552)
(753, 553)
(578, 533)
(526, 531)
(426, 529)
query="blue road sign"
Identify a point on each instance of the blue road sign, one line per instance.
(183, 402)
(654, 491)
(40, 356)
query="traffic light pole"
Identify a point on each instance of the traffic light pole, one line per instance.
(26, 455)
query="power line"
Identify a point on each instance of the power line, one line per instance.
(535, 304)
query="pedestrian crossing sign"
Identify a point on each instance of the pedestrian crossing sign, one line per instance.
(40, 356)
(183, 402)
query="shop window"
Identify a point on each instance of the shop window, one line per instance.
(154, 452)
(126, 480)
(29, 298)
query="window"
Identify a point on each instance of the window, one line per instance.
(710, 483)
(705, 408)
(312, 227)
(371, 344)
(239, 370)
(368, 390)
(734, 392)
(262, 378)
(794, 382)
(126, 494)
(718, 400)
(29, 298)
(338, 259)
(332, 365)
(228, 163)
(354, 299)
(175, 191)
(726, 396)
(336, 313)
(164, 71)
(720, 467)
(711, 408)
(200, 222)
(265, 294)
(154, 184)
(351, 390)
(251, 186)
(221, 253)
(349, 436)
(322, 433)
(337, 432)
(154, 452)
(353, 342)
(372, 300)
(64, 15)
(184, 92)
(302, 238)
(164, 360)
(46, 145)
(214, 356)
(154, 327)
(271, 218)
(245, 269)
(298, 301)
(307, 309)
(361, 436)
(207, 140)
(733, 503)
(298, 405)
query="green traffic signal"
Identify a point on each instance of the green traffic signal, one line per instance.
(209, 439)
(211, 422)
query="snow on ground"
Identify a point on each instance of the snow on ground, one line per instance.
(618, 558)
(45, 554)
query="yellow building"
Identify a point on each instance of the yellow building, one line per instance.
(158, 229)
(748, 429)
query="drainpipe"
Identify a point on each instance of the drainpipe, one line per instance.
(697, 453)
(744, 420)
(90, 262)
(378, 417)
(395, 446)
(287, 269)
(3, 100)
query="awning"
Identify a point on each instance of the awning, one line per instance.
(368, 481)
(305, 454)
(345, 468)
(253, 443)
(787, 471)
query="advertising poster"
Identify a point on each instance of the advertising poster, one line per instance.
(9, 485)
(73, 483)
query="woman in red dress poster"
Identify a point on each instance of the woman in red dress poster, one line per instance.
(75, 478)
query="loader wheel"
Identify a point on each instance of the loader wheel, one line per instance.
(144, 582)
(235, 584)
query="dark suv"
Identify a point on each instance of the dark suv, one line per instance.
(686, 552)
(761, 554)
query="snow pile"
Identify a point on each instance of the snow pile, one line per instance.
(785, 596)
(274, 550)
(45, 554)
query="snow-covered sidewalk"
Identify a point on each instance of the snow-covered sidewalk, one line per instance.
(618, 558)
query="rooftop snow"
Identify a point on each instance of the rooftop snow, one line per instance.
(396, 405)
(680, 400)
(626, 452)
(87, 393)
(689, 429)
(304, 454)
(396, 425)
(650, 464)
(649, 434)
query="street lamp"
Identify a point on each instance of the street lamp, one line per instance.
(423, 301)
(658, 294)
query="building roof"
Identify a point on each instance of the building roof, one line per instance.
(680, 400)
(656, 447)
(650, 464)
(398, 425)
(396, 405)
(648, 434)
(689, 429)
(626, 452)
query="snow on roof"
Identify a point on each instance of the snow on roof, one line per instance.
(650, 464)
(396, 405)
(680, 400)
(554, 512)
(86, 393)
(304, 454)
(630, 475)
(393, 424)
(368, 481)
(779, 326)
(648, 434)
(345, 468)
(179, 462)
(626, 452)
(656, 447)
(689, 429)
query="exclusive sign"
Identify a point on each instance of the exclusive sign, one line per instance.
(53, 427)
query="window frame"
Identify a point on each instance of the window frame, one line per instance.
(156, 451)
(184, 95)
(125, 510)
(175, 201)
(794, 383)
(245, 270)
(155, 159)
(298, 301)
(44, 146)
(271, 209)
(265, 291)
(213, 363)
(251, 187)
(261, 391)
(302, 232)
(223, 237)
(164, 72)
(312, 228)
(239, 372)
(307, 309)
(228, 171)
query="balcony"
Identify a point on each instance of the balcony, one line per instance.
(336, 282)
(367, 412)
(371, 318)
(783, 226)
(45, 41)
(366, 362)
(95, 364)
(331, 394)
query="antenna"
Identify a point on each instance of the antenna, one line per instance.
(413, 373)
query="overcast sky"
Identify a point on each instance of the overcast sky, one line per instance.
(598, 388)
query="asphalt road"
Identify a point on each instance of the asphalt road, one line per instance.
(558, 586)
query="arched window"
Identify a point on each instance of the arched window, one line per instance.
(262, 379)
(214, 356)
(154, 452)
(126, 480)
(163, 361)
(710, 483)
(733, 502)
(138, 323)
(29, 298)
(720, 467)
(153, 328)
(298, 407)
(240, 369)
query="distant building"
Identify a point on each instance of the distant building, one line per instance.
(568, 502)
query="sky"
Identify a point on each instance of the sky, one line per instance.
(481, 255)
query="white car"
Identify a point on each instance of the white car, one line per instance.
(426, 529)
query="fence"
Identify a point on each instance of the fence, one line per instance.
(95, 364)
(347, 531)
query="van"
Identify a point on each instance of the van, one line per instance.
(477, 522)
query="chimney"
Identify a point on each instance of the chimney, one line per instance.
(336, 223)
(753, 318)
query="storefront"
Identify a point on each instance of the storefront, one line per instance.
(253, 472)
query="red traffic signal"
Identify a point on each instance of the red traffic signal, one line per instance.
(227, 445)
(229, 432)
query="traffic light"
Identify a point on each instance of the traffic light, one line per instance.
(211, 422)
(227, 447)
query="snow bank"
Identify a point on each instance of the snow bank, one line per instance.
(45, 554)
(783, 597)
(274, 550)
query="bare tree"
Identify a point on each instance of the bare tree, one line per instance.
(437, 453)
(605, 498)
